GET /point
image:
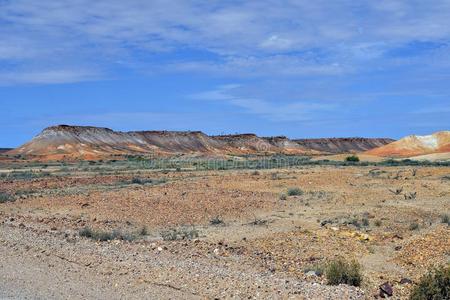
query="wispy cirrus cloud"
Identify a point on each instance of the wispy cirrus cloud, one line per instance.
(289, 38)
(279, 112)
(51, 76)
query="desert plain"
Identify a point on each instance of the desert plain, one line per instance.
(124, 230)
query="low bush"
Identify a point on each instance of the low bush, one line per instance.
(365, 222)
(86, 232)
(103, 236)
(340, 271)
(413, 226)
(259, 222)
(355, 222)
(434, 286)
(26, 175)
(216, 221)
(352, 158)
(143, 181)
(294, 192)
(143, 231)
(182, 233)
(5, 197)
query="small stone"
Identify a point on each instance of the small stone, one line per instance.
(406, 281)
(398, 248)
(311, 274)
(364, 237)
(386, 290)
(325, 222)
(160, 249)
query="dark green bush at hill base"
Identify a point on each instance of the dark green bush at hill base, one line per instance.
(433, 286)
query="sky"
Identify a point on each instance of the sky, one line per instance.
(323, 68)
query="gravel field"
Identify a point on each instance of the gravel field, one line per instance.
(242, 238)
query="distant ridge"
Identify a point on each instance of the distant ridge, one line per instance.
(343, 145)
(3, 150)
(88, 142)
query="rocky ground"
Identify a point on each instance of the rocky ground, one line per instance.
(245, 237)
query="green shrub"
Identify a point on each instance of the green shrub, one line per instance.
(340, 271)
(143, 231)
(434, 286)
(413, 226)
(5, 197)
(354, 222)
(136, 180)
(352, 158)
(103, 236)
(259, 222)
(216, 221)
(142, 181)
(294, 192)
(27, 175)
(86, 232)
(365, 222)
(182, 233)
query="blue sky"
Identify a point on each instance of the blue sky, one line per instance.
(298, 68)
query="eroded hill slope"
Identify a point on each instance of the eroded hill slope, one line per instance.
(415, 145)
(86, 142)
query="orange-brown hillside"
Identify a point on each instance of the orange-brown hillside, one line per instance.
(415, 145)
(85, 142)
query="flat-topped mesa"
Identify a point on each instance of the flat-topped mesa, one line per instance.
(237, 136)
(177, 141)
(168, 133)
(3, 150)
(276, 138)
(75, 129)
(345, 139)
(88, 142)
(343, 145)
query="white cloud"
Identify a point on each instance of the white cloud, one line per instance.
(277, 43)
(47, 76)
(288, 38)
(293, 111)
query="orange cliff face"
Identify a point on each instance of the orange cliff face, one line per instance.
(415, 145)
